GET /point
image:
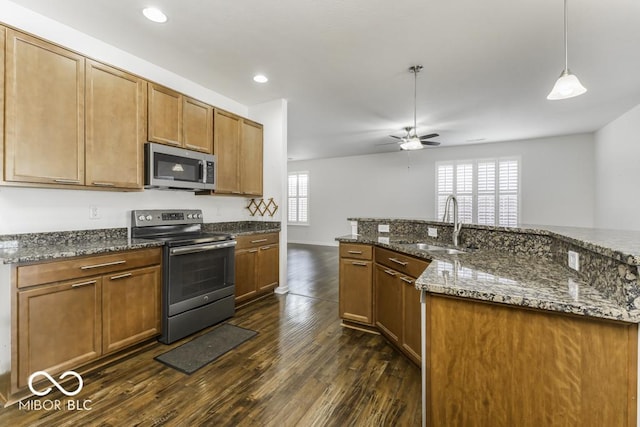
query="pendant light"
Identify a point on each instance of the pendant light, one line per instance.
(567, 85)
(413, 142)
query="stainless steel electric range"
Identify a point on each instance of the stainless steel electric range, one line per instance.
(198, 278)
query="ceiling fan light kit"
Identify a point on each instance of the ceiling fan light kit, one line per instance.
(567, 85)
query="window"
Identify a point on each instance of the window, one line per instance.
(298, 198)
(488, 190)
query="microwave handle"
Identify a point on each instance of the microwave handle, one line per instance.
(201, 173)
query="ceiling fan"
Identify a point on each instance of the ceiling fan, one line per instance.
(411, 141)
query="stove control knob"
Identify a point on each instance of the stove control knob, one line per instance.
(141, 218)
(199, 216)
(189, 216)
(148, 217)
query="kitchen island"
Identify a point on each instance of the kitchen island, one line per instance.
(511, 335)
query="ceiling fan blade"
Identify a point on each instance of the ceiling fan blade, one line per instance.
(432, 143)
(396, 137)
(431, 135)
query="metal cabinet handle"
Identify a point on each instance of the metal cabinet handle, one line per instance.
(106, 264)
(259, 241)
(67, 181)
(264, 248)
(397, 261)
(359, 263)
(79, 285)
(103, 184)
(407, 280)
(390, 272)
(121, 276)
(355, 252)
(253, 251)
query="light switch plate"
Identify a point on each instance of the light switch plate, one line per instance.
(432, 232)
(383, 228)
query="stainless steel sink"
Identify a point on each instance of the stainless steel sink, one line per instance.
(435, 248)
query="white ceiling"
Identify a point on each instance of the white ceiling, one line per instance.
(343, 65)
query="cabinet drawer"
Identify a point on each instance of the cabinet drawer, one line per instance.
(356, 251)
(55, 271)
(256, 240)
(403, 263)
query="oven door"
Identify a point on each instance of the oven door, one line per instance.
(199, 274)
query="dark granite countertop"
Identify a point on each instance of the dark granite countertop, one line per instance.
(11, 252)
(34, 247)
(501, 277)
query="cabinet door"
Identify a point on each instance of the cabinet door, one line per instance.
(226, 147)
(411, 319)
(2, 56)
(268, 267)
(165, 115)
(59, 327)
(197, 125)
(44, 112)
(388, 302)
(131, 307)
(245, 269)
(356, 290)
(115, 113)
(251, 158)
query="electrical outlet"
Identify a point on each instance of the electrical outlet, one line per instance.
(94, 213)
(432, 232)
(383, 228)
(574, 260)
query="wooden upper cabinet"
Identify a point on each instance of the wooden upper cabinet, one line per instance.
(165, 115)
(197, 126)
(226, 147)
(44, 110)
(175, 119)
(115, 133)
(251, 158)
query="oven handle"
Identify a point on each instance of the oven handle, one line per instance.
(192, 249)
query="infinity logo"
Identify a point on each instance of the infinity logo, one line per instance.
(55, 383)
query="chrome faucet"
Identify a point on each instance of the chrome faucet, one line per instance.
(456, 224)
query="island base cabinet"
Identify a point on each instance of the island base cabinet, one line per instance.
(388, 295)
(355, 294)
(488, 364)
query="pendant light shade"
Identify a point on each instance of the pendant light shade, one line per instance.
(567, 85)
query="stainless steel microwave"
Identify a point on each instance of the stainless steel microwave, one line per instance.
(179, 169)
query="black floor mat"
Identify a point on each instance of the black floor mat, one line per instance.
(195, 354)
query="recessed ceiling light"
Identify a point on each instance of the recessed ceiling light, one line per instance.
(154, 14)
(259, 78)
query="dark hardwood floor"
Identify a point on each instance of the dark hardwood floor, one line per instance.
(302, 369)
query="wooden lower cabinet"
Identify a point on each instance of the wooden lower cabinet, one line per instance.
(388, 292)
(397, 304)
(489, 364)
(59, 327)
(356, 283)
(257, 265)
(131, 304)
(64, 325)
(411, 321)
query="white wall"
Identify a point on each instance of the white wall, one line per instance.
(35, 210)
(617, 150)
(275, 159)
(556, 184)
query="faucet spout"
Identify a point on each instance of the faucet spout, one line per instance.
(457, 225)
